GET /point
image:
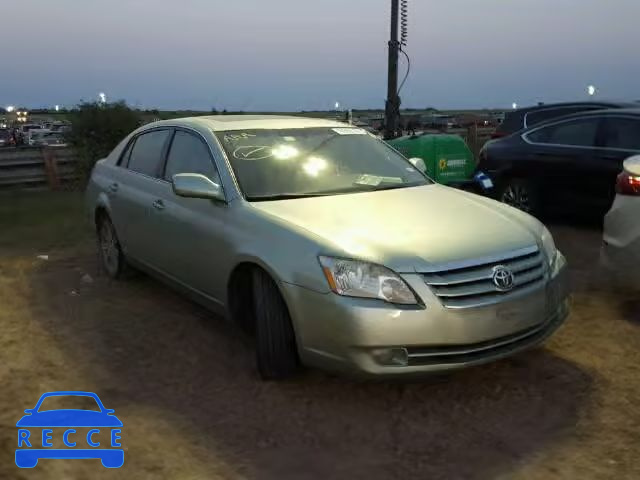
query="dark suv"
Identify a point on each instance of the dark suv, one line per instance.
(530, 116)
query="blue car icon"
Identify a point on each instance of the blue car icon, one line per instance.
(28, 452)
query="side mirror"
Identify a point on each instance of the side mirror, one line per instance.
(632, 165)
(195, 185)
(29, 410)
(109, 411)
(419, 164)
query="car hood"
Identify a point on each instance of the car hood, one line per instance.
(409, 229)
(69, 418)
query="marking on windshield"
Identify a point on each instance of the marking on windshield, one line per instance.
(252, 152)
(228, 137)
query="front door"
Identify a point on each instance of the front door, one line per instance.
(192, 229)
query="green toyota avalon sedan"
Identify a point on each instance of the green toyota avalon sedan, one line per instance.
(327, 245)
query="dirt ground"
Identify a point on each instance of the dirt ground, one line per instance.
(184, 386)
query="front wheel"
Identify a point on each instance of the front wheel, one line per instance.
(277, 354)
(521, 194)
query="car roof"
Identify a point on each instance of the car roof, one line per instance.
(604, 103)
(607, 111)
(249, 122)
(633, 111)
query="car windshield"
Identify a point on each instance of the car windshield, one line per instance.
(291, 163)
(66, 402)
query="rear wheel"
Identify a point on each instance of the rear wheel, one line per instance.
(521, 194)
(111, 256)
(277, 355)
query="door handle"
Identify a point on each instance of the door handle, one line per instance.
(113, 187)
(158, 205)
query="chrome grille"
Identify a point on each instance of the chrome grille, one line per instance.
(470, 284)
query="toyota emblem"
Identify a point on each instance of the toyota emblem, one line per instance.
(503, 278)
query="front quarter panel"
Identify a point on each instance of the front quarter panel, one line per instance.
(289, 253)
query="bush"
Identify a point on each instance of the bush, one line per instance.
(97, 129)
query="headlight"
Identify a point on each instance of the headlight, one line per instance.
(548, 245)
(353, 278)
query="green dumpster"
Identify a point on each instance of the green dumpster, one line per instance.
(447, 158)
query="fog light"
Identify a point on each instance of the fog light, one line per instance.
(391, 356)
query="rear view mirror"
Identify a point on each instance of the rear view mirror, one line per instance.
(195, 185)
(419, 164)
(632, 165)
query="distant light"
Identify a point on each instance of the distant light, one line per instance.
(57, 107)
(591, 90)
(514, 105)
(10, 108)
(337, 105)
(102, 97)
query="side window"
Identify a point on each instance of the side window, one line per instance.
(124, 156)
(189, 154)
(146, 154)
(622, 133)
(581, 132)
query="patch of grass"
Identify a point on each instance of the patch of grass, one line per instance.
(42, 220)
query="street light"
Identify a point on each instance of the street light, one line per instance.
(514, 105)
(57, 108)
(102, 97)
(591, 90)
(10, 108)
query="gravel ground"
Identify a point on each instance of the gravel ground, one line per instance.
(184, 386)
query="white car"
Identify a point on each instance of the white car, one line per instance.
(34, 136)
(621, 241)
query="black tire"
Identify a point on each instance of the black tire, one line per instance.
(521, 194)
(112, 259)
(276, 351)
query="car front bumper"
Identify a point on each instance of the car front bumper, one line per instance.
(367, 337)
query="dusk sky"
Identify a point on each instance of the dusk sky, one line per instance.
(302, 54)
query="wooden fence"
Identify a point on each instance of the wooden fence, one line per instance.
(37, 168)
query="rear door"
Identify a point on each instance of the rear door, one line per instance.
(135, 188)
(563, 153)
(619, 140)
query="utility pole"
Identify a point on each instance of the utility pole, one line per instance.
(392, 105)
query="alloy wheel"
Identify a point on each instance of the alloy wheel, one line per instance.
(109, 247)
(517, 196)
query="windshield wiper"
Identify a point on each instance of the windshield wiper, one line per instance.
(284, 196)
(396, 185)
(327, 193)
